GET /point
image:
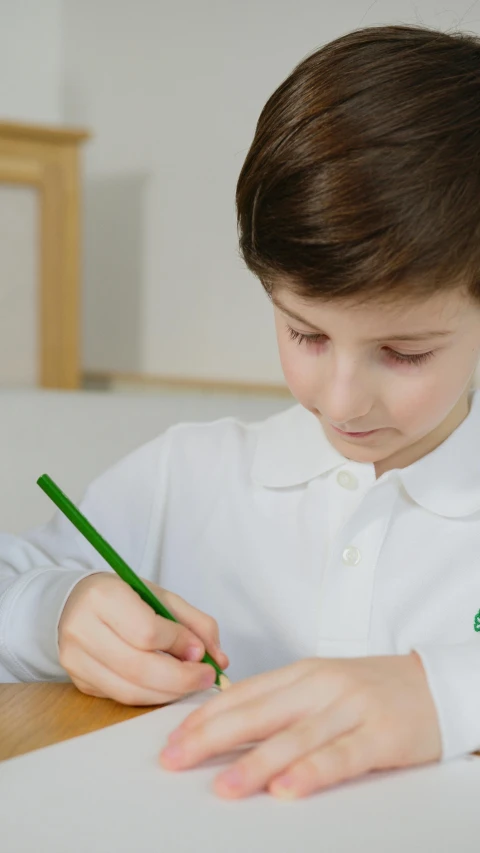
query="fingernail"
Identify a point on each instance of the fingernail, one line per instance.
(193, 653)
(233, 778)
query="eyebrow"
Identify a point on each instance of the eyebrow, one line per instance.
(417, 336)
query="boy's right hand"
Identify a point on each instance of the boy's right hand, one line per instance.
(109, 641)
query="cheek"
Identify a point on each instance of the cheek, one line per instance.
(299, 371)
(422, 406)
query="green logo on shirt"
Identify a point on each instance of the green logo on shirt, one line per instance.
(476, 621)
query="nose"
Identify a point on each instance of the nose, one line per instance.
(346, 401)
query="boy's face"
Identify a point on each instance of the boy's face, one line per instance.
(340, 362)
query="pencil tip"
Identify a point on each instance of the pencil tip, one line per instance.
(224, 682)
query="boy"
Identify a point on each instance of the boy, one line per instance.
(336, 543)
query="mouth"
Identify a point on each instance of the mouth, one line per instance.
(355, 434)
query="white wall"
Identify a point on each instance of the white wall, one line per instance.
(31, 44)
(171, 90)
(31, 60)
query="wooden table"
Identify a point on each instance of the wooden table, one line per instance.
(36, 715)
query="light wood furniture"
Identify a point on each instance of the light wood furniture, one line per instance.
(36, 715)
(47, 159)
(113, 380)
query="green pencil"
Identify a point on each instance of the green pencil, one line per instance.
(115, 561)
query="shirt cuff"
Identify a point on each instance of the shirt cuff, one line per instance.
(30, 611)
(453, 675)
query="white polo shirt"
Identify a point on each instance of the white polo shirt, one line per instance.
(296, 550)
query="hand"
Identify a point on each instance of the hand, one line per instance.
(109, 641)
(319, 722)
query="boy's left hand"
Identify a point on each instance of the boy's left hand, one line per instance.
(319, 722)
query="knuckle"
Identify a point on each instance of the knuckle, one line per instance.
(256, 763)
(132, 670)
(95, 595)
(310, 771)
(348, 760)
(137, 669)
(106, 590)
(146, 634)
(303, 739)
(177, 633)
(202, 732)
(73, 630)
(343, 762)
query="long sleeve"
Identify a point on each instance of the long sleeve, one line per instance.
(453, 675)
(39, 570)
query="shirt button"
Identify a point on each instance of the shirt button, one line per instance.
(347, 480)
(351, 556)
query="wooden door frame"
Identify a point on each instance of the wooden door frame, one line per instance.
(47, 159)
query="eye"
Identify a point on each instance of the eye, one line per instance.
(401, 358)
(301, 338)
(418, 358)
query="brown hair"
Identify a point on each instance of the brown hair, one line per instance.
(363, 177)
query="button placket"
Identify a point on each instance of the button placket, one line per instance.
(346, 492)
(348, 580)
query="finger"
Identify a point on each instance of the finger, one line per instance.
(240, 693)
(347, 757)
(102, 682)
(134, 621)
(142, 669)
(200, 624)
(251, 721)
(88, 689)
(145, 629)
(297, 739)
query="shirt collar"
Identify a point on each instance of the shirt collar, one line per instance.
(292, 449)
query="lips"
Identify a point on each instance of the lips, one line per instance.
(342, 432)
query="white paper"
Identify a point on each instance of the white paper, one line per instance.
(106, 792)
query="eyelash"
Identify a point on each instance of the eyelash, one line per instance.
(400, 358)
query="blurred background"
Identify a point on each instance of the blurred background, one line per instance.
(123, 127)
